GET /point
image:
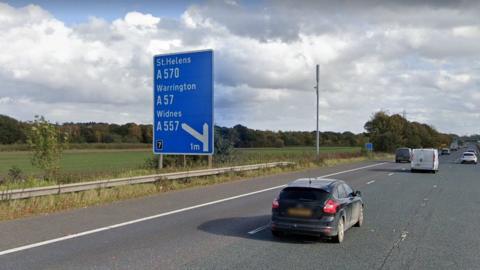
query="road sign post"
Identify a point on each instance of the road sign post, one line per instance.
(369, 147)
(210, 161)
(160, 162)
(318, 133)
(183, 103)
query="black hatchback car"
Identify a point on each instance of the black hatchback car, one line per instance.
(320, 207)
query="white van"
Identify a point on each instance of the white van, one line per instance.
(425, 160)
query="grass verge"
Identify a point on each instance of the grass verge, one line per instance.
(13, 209)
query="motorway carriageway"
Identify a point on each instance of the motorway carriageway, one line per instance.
(412, 221)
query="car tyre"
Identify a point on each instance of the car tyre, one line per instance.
(277, 233)
(340, 232)
(360, 218)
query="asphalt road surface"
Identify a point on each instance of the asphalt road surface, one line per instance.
(412, 221)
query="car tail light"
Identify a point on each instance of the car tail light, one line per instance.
(275, 204)
(330, 207)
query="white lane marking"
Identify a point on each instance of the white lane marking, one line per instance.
(63, 238)
(390, 174)
(404, 235)
(259, 229)
(133, 221)
(352, 170)
(404, 169)
(370, 182)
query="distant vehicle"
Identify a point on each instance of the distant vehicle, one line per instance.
(403, 154)
(445, 151)
(319, 207)
(471, 151)
(454, 146)
(469, 157)
(424, 160)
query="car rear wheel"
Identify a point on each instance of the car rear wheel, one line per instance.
(340, 232)
(277, 233)
(360, 218)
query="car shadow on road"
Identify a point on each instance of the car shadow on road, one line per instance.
(241, 226)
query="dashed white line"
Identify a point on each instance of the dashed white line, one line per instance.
(258, 229)
(370, 182)
(47, 242)
(390, 174)
(352, 170)
(404, 235)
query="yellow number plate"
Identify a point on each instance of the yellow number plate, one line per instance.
(299, 212)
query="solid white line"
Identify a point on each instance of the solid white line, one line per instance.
(8, 251)
(133, 221)
(259, 229)
(370, 182)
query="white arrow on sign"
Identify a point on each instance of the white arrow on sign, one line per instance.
(201, 137)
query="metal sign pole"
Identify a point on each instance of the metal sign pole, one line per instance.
(160, 161)
(318, 133)
(210, 161)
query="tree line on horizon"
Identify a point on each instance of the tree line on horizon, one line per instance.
(13, 131)
(386, 132)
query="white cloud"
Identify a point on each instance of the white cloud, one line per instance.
(141, 20)
(393, 57)
(467, 31)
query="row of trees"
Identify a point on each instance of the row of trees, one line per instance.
(244, 137)
(13, 131)
(390, 132)
(386, 132)
(471, 138)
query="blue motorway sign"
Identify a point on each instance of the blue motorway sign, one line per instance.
(183, 103)
(369, 146)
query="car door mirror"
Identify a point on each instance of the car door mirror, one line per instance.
(357, 193)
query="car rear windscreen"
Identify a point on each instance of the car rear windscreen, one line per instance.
(303, 194)
(468, 155)
(403, 152)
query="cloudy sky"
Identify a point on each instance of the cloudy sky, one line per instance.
(93, 61)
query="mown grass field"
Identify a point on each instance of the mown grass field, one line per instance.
(79, 160)
(107, 160)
